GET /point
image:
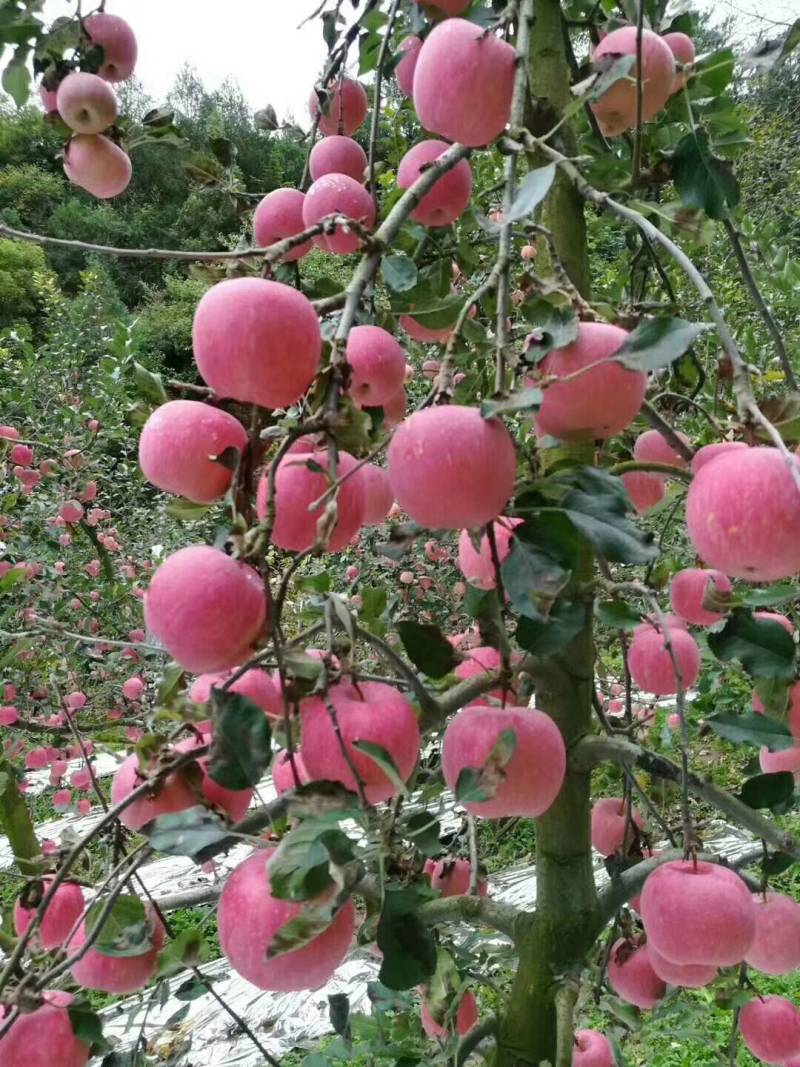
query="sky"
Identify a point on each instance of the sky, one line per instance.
(254, 42)
(257, 43)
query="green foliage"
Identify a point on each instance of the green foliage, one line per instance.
(22, 269)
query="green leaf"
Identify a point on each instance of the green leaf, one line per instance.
(656, 343)
(440, 313)
(776, 863)
(547, 635)
(526, 400)
(339, 1013)
(187, 949)
(125, 932)
(149, 384)
(783, 411)
(301, 867)
(408, 947)
(552, 327)
(704, 182)
(620, 68)
(532, 578)
(598, 507)
(187, 510)
(186, 833)
(616, 614)
(768, 790)
(531, 191)
(422, 830)
(752, 729)
(171, 683)
(763, 647)
(11, 578)
(87, 1026)
(477, 784)
(399, 273)
(314, 583)
(427, 648)
(240, 741)
(379, 756)
(774, 695)
(772, 51)
(312, 921)
(17, 77)
(770, 596)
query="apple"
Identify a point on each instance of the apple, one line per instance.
(464, 82)
(452, 876)
(347, 107)
(592, 1049)
(466, 1017)
(689, 588)
(86, 103)
(424, 334)
(652, 447)
(371, 711)
(698, 912)
(450, 468)
(254, 684)
(449, 197)
(206, 608)
(404, 71)
(653, 665)
(682, 48)
(338, 194)
(610, 823)
(711, 452)
(687, 975)
(770, 1027)
(631, 974)
(44, 1037)
(644, 488)
(61, 914)
(248, 919)
(531, 779)
(117, 39)
(616, 110)
(337, 155)
(377, 366)
(477, 566)
(117, 974)
(257, 341)
(775, 949)
(179, 444)
(279, 215)
(97, 165)
(378, 497)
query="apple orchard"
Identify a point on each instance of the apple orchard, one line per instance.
(490, 532)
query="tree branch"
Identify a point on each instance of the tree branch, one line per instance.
(474, 911)
(470, 1041)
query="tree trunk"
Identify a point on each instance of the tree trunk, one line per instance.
(564, 927)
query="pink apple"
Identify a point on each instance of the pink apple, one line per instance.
(610, 825)
(60, 916)
(373, 712)
(451, 468)
(175, 793)
(478, 566)
(592, 1049)
(424, 334)
(279, 215)
(786, 759)
(282, 774)
(337, 194)
(44, 1037)
(118, 42)
(616, 110)
(708, 453)
(337, 155)
(449, 198)
(446, 7)
(49, 98)
(117, 974)
(86, 103)
(483, 659)
(743, 513)
(653, 665)
(206, 608)
(689, 588)
(645, 489)
(254, 684)
(97, 165)
(652, 447)
(249, 917)
(531, 779)
(698, 913)
(631, 974)
(466, 1017)
(463, 83)
(257, 341)
(378, 497)
(770, 1027)
(346, 108)
(775, 949)
(682, 48)
(404, 71)
(297, 486)
(452, 876)
(179, 444)
(599, 403)
(687, 975)
(377, 366)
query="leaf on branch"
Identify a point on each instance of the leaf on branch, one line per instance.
(703, 181)
(533, 578)
(126, 931)
(616, 614)
(17, 77)
(768, 790)
(422, 830)
(187, 949)
(531, 191)
(547, 635)
(408, 947)
(87, 1026)
(428, 648)
(762, 646)
(240, 741)
(657, 343)
(399, 273)
(784, 414)
(598, 507)
(301, 866)
(752, 729)
(526, 400)
(186, 833)
(771, 52)
(477, 784)
(149, 384)
(379, 756)
(553, 327)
